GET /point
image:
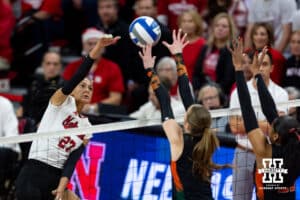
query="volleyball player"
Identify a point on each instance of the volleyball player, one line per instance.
(191, 147)
(283, 135)
(52, 161)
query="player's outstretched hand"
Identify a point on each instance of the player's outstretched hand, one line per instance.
(146, 56)
(178, 42)
(104, 41)
(237, 51)
(258, 60)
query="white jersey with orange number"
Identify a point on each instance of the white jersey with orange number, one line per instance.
(55, 150)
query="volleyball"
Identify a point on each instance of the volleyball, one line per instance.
(144, 30)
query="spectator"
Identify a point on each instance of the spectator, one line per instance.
(214, 7)
(166, 67)
(106, 75)
(292, 76)
(191, 23)
(110, 23)
(40, 23)
(7, 22)
(169, 10)
(239, 11)
(126, 10)
(262, 35)
(43, 9)
(151, 109)
(137, 88)
(295, 20)
(278, 14)
(214, 62)
(244, 158)
(9, 153)
(42, 88)
(294, 94)
(149, 8)
(212, 97)
(78, 15)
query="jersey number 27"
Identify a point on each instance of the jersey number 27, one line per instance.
(66, 143)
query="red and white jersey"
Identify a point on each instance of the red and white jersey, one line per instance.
(55, 150)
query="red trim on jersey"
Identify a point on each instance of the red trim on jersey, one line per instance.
(176, 178)
(259, 185)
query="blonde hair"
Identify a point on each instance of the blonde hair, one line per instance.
(232, 29)
(197, 19)
(199, 120)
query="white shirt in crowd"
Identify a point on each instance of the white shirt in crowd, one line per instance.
(55, 150)
(275, 12)
(279, 95)
(8, 123)
(149, 111)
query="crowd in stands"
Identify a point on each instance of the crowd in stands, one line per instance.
(42, 43)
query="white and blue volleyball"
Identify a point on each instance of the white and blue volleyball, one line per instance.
(144, 30)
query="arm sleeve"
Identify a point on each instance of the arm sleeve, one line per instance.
(267, 103)
(183, 83)
(225, 71)
(248, 114)
(78, 76)
(71, 162)
(162, 96)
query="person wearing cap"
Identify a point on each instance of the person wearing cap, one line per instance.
(106, 75)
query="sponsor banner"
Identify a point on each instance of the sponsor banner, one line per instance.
(124, 165)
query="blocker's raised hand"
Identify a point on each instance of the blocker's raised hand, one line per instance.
(146, 56)
(258, 60)
(237, 53)
(178, 42)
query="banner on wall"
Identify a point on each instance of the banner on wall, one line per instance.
(124, 165)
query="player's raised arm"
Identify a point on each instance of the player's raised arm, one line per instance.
(256, 136)
(60, 95)
(183, 81)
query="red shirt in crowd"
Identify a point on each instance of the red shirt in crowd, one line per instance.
(173, 8)
(210, 64)
(53, 7)
(190, 54)
(7, 23)
(106, 78)
(278, 69)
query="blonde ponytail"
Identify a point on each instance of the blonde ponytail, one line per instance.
(202, 155)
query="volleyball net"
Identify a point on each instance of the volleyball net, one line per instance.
(130, 159)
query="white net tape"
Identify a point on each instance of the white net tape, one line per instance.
(125, 125)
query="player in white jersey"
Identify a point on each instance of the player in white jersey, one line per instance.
(52, 161)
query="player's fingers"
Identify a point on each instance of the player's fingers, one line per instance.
(166, 44)
(174, 34)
